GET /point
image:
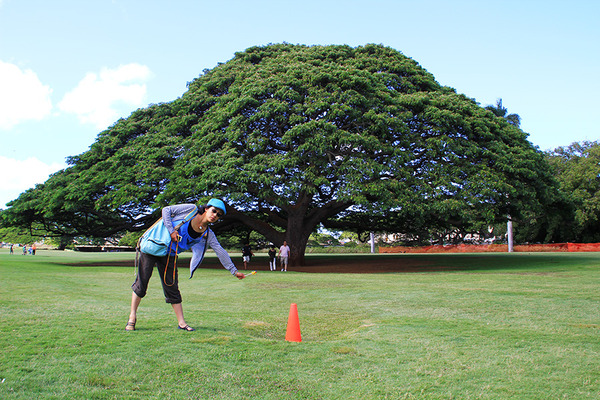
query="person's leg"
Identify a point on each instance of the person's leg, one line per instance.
(178, 308)
(171, 290)
(139, 287)
(135, 303)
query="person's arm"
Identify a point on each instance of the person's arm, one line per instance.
(223, 255)
(172, 213)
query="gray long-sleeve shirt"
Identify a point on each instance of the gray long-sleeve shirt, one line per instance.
(177, 213)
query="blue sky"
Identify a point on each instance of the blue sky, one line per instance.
(70, 68)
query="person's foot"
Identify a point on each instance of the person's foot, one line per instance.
(186, 328)
(130, 326)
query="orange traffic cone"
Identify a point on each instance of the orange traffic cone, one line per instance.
(293, 326)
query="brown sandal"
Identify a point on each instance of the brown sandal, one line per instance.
(130, 326)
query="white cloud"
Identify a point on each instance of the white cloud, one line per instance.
(20, 175)
(22, 96)
(102, 98)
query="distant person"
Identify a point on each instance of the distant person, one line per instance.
(284, 255)
(273, 258)
(195, 235)
(33, 248)
(247, 255)
(24, 249)
(12, 251)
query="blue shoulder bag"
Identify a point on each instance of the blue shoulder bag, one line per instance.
(157, 240)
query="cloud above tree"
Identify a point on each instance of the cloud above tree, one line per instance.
(23, 96)
(99, 97)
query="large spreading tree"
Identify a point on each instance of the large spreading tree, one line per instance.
(292, 137)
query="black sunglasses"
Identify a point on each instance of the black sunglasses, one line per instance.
(217, 211)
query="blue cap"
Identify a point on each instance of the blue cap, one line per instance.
(217, 204)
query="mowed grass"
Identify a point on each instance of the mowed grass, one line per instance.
(509, 326)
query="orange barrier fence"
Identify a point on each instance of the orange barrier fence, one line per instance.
(494, 248)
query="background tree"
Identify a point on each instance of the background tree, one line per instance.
(500, 111)
(577, 169)
(16, 236)
(514, 119)
(294, 136)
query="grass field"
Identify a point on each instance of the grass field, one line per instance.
(510, 326)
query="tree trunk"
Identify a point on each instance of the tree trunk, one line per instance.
(298, 232)
(300, 224)
(297, 242)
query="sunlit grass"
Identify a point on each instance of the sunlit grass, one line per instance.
(496, 327)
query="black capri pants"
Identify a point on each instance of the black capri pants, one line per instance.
(144, 272)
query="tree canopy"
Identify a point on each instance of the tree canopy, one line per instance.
(500, 111)
(577, 169)
(292, 136)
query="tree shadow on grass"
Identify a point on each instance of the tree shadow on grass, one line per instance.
(407, 263)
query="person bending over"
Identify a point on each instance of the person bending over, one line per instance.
(194, 235)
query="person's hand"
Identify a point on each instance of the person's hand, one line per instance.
(239, 275)
(175, 236)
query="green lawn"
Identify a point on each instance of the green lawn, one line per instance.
(508, 326)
